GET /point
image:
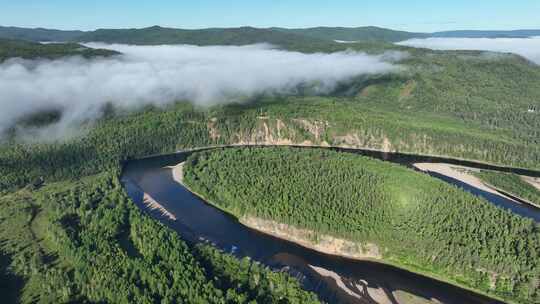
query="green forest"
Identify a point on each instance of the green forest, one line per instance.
(418, 222)
(86, 242)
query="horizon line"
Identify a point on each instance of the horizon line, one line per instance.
(270, 27)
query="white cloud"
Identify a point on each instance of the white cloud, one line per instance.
(163, 74)
(526, 47)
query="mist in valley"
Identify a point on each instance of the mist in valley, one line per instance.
(78, 89)
(526, 47)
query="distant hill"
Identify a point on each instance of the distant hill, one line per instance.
(212, 36)
(367, 33)
(38, 34)
(304, 39)
(246, 35)
(30, 50)
(487, 34)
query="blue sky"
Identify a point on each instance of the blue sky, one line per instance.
(412, 15)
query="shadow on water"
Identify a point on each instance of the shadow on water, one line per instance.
(198, 222)
(11, 285)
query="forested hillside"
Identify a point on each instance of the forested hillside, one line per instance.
(86, 242)
(458, 104)
(365, 34)
(415, 220)
(30, 50)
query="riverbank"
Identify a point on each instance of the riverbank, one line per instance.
(332, 246)
(535, 182)
(466, 175)
(322, 243)
(178, 172)
(460, 173)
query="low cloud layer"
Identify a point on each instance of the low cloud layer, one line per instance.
(160, 75)
(526, 47)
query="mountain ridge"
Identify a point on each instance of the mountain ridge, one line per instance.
(245, 35)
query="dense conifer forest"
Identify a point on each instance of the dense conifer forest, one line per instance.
(86, 242)
(416, 221)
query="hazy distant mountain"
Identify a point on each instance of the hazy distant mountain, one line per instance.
(212, 36)
(488, 34)
(367, 33)
(37, 34)
(292, 38)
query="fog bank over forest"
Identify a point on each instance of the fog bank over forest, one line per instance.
(160, 75)
(526, 47)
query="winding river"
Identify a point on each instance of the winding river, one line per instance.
(334, 279)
